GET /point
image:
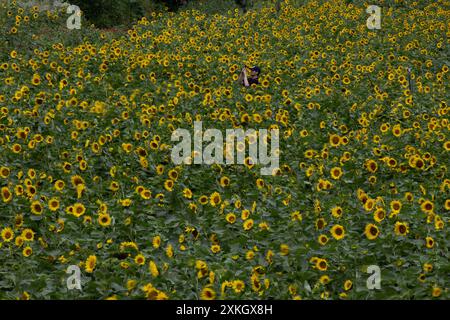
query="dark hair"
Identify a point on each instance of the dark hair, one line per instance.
(256, 69)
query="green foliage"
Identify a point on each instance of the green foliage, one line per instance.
(107, 13)
(87, 121)
(42, 28)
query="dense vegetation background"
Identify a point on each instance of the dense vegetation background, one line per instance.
(86, 118)
(109, 13)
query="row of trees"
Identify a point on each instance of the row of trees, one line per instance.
(245, 4)
(107, 13)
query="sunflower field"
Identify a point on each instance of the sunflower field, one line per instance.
(87, 180)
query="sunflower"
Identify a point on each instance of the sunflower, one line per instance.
(436, 292)
(59, 185)
(18, 190)
(323, 239)
(321, 264)
(4, 172)
(422, 277)
(320, 223)
(324, 279)
(168, 185)
(139, 259)
(416, 162)
(259, 183)
(338, 232)
(334, 140)
(27, 251)
(427, 267)
(207, 293)
(409, 196)
(125, 202)
(37, 208)
(27, 235)
(396, 206)
(131, 284)
(19, 241)
(104, 219)
(53, 204)
(379, 214)
(427, 206)
(296, 216)
(309, 154)
(248, 224)
(173, 174)
(337, 212)
(90, 263)
(169, 251)
(7, 234)
(371, 231)
(245, 214)
(139, 189)
(18, 221)
(156, 242)
(153, 268)
(36, 80)
(87, 219)
(145, 194)
(215, 248)
(447, 204)
(127, 147)
(303, 133)
(369, 204)
(187, 193)
(336, 173)
(401, 228)
(249, 162)
(215, 199)
(154, 145)
(6, 194)
(31, 191)
(438, 223)
(284, 249)
(83, 165)
(203, 199)
(397, 130)
(371, 166)
(429, 242)
(114, 186)
(78, 210)
(238, 286)
(231, 218)
(95, 147)
(345, 80)
(348, 285)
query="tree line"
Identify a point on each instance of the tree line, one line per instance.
(108, 13)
